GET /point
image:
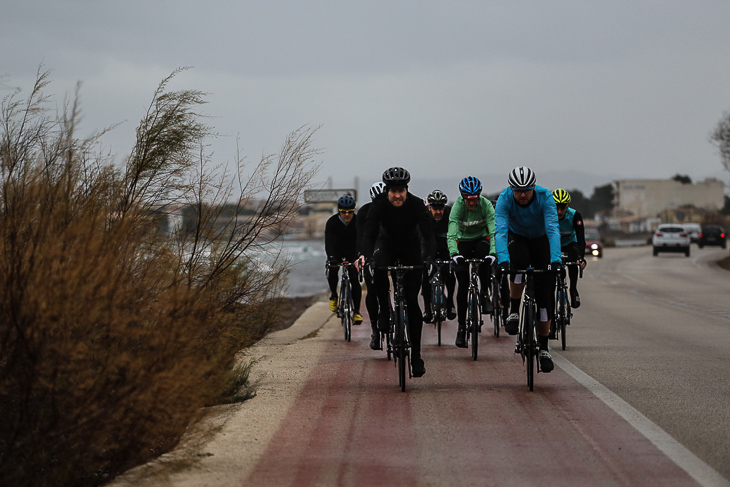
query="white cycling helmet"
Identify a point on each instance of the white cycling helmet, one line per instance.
(521, 178)
(376, 189)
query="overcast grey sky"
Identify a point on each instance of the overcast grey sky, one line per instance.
(590, 90)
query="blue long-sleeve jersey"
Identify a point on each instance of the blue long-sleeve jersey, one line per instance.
(538, 218)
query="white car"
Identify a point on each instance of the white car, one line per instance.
(670, 237)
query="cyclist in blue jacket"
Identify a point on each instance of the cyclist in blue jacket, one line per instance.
(527, 235)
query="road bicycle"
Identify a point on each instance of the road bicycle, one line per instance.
(563, 311)
(527, 345)
(345, 306)
(474, 320)
(437, 297)
(398, 344)
(499, 291)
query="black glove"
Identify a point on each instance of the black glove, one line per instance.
(503, 267)
(458, 259)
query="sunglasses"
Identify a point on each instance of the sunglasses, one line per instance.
(347, 211)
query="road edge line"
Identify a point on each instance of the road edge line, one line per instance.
(689, 462)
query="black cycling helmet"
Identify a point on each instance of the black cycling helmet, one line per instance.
(437, 198)
(376, 189)
(521, 178)
(346, 202)
(396, 177)
(470, 187)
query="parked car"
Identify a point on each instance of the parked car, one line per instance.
(670, 237)
(712, 235)
(594, 246)
(694, 230)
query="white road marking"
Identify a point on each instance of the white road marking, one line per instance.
(685, 459)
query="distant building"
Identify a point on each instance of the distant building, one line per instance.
(647, 198)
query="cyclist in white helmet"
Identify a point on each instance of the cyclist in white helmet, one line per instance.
(527, 235)
(371, 297)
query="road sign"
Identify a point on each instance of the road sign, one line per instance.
(327, 195)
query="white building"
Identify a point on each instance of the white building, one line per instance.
(646, 198)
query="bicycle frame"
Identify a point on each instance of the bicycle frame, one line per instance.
(563, 312)
(346, 307)
(398, 342)
(527, 344)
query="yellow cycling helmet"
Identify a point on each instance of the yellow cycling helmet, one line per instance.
(561, 196)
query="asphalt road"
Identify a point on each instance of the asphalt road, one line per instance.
(640, 397)
(656, 331)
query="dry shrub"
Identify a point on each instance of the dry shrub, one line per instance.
(113, 335)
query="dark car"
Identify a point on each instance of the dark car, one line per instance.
(712, 235)
(594, 246)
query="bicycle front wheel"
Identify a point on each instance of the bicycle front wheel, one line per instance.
(473, 323)
(436, 309)
(528, 329)
(400, 346)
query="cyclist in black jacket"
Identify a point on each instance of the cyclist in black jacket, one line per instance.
(371, 298)
(392, 233)
(440, 212)
(340, 240)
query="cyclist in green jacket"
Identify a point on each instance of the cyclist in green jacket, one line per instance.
(471, 235)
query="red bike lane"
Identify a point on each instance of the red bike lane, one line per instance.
(465, 422)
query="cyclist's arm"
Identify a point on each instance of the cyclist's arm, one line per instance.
(490, 227)
(330, 238)
(580, 234)
(552, 227)
(501, 226)
(425, 224)
(372, 226)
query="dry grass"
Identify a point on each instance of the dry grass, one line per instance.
(113, 336)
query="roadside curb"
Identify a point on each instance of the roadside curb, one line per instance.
(310, 321)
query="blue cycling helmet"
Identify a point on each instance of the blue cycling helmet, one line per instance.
(470, 187)
(346, 202)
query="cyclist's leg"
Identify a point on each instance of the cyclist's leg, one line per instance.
(333, 278)
(383, 257)
(571, 251)
(462, 275)
(519, 257)
(545, 298)
(371, 304)
(426, 295)
(412, 285)
(356, 289)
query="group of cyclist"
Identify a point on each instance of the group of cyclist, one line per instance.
(528, 226)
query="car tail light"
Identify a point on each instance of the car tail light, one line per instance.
(683, 234)
(700, 235)
(722, 235)
(659, 234)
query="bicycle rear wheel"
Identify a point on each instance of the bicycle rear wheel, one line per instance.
(346, 305)
(473, 323)
(563, 324)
